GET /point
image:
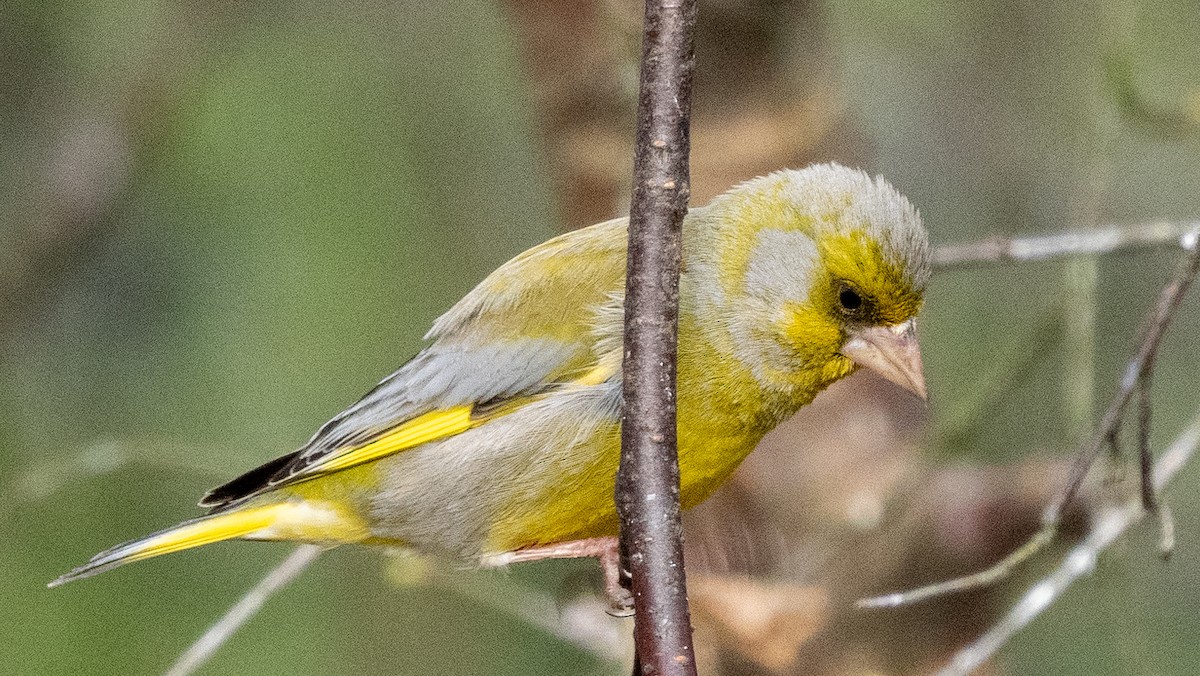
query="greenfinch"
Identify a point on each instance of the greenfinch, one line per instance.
(499, 441)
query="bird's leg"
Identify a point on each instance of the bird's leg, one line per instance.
(605, 549)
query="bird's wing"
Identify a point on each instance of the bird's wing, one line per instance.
(529, 327)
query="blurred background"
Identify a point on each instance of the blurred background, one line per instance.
(222, 222)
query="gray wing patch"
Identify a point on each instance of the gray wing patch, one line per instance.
(443, 375)
(440, 376)
(479, 353)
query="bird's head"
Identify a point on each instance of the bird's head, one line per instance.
(823, 271)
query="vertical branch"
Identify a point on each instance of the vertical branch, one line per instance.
(647, 491)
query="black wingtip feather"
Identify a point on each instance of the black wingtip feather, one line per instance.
(247, 484)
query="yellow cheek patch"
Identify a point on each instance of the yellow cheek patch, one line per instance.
(810, 331)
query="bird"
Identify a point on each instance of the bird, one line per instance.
(499, 441)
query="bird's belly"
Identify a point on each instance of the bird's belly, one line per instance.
(522, 481)
(582, 505)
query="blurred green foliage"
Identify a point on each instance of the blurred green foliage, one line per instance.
(315, 185)
(306, 186)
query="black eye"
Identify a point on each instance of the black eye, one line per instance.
(850, 300)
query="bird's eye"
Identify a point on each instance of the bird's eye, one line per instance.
(850, 299)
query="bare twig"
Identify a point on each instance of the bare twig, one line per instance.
(1081, 560)
(207, 645)
(647, 490)
(1137, 370)
(1091, 241)
(1149, 498)
(986, 577)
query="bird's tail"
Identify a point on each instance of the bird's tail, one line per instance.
(278, 521)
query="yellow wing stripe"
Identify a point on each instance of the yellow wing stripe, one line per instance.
(419, 430)
(429, 427)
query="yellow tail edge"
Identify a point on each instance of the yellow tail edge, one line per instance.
(280, 521)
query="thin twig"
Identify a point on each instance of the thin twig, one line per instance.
(207, 645)
(988, 576)
(1136, 370)
(647, 490)
(1109, 525)
(1092, 241)
(1145, 460)
(1139, 367)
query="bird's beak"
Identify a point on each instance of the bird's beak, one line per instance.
(890, 351)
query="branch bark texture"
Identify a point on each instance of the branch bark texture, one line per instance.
(647, 491)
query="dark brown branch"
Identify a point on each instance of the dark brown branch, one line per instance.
(1149, 499)
(647, 491)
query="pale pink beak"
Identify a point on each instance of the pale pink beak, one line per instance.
(890, 351)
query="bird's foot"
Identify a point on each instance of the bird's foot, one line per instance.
(605, 549)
